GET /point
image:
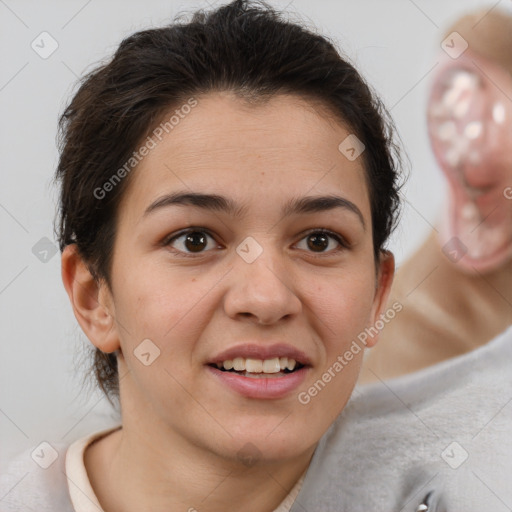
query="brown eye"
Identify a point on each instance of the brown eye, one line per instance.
(319, 241)
(195, 241)
(190, 241)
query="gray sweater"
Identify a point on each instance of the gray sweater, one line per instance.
(436, 440)
(441, 436)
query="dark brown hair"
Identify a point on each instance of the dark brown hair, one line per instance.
(246, 47)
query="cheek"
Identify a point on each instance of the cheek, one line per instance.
(344, 310)
(344, 307)
(162, 307)
(159, 321)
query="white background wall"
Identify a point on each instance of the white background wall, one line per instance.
(393, 42)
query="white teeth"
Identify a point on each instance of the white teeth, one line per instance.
(254, 365)
(271, 365)
(239, 364)
(274, 365)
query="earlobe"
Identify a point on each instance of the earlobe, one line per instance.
(384, 282)
(90, 300)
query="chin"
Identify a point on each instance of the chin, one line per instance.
(271, 441)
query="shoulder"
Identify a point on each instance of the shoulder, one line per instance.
(443, 433)
(35, 480)
(50, 477)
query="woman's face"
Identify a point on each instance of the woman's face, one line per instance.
(253, 279)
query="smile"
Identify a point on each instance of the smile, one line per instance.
(250, 367)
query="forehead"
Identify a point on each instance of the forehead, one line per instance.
(284, 146)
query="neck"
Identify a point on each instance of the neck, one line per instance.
(148, 466)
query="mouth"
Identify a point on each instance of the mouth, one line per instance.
(260, 371)
(259, 368)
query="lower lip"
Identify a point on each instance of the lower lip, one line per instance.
(261, 387)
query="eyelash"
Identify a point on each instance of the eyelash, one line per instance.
(321, 231)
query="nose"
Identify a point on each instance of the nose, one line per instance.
(261, 291)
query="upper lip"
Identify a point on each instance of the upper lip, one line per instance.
(253, 351)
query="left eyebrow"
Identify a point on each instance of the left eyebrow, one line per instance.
(215, 202)
(315, 204)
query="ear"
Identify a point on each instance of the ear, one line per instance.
(385, 276)
(91, 301)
